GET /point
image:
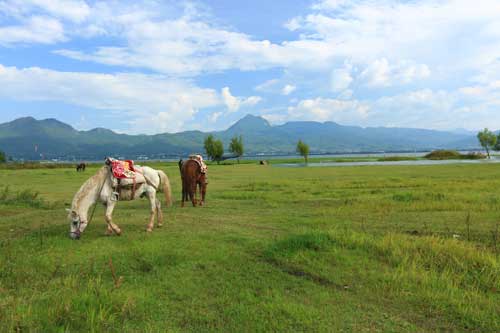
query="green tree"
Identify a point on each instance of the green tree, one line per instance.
(236, 146)
(303, 149)
(497, 146)
(208, 144)
(213, 148)
(218, 151)
(487, 139)
(3, 157)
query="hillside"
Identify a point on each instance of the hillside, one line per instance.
(28, 138)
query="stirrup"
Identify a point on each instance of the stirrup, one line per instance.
(115, 196)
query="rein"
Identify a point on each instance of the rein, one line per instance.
(97, 201)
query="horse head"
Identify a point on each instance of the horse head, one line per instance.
(76, 225)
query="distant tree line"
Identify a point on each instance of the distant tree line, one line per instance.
(214, 148)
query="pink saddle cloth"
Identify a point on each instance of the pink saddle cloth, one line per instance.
(123, 169)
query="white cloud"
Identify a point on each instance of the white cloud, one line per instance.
(233, 103)
(267, 86)
(423, 31)
(381, 74)
(36, 29)
(423, 108)
(73, 10)
(439, 109)
(288, 89)
(329, 4)
(214, 117)
(325, 109)
(150, 36)
(151, 103)
(293, 24)
(341, 78)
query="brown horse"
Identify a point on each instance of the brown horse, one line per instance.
(192, 176)
(80, 167)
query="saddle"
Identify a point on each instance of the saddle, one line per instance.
(124, 174)
(199, 160)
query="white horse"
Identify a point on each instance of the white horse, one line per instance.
(99, 188)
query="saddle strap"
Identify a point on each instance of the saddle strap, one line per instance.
(119, 187)
(133, 190)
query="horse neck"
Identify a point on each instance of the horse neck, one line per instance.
(89, 193)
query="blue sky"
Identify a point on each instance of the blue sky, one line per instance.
(167, 66)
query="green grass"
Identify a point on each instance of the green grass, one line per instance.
(356, 249)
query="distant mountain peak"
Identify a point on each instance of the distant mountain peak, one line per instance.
(250, 123)
(101, 130)
(23, 120)
(55, 122)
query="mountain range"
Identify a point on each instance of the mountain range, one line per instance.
(30, 139)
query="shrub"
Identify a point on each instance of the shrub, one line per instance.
(443, 155)
(473, 156)
(453, 155)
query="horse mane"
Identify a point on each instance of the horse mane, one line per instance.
(88, 186)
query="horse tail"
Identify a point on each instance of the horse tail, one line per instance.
(165, 187)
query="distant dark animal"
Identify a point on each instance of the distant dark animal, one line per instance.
(80, 167)
(263, 162)
(192, 177)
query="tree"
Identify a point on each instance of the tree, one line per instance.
(218, 151)
(3, 157)
(236, 146)
(209, 146)
(214, 148)
(303, 149)
(487, 139)
(497, 146)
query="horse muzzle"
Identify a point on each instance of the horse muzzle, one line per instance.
(74, 235)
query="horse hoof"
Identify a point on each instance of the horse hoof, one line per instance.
(159, 225)
(148, 230)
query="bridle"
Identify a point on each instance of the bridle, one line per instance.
(77, 224)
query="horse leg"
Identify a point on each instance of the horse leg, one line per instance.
(159, 214)
(109, 231)
(152, 203)
(184, 196)
(201, 193)
(192, 193)
(110, 205)
(203, 190)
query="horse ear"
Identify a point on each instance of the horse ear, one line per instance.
(72, 212)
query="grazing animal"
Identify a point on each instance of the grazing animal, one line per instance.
(192, 177)
(80, 167)
(99, 188)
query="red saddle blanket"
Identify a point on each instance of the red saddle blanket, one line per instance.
(123, 169)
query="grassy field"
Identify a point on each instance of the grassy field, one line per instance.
(355, 249)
